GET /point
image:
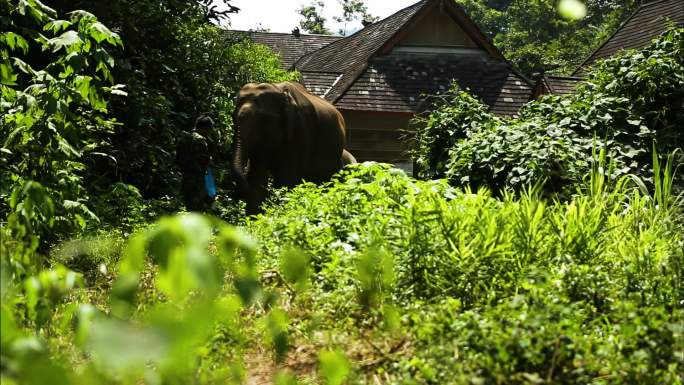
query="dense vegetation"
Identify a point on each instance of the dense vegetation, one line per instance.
(96, 147)
(376, 275)
(536, 38)
(627, 105)
(483, 277)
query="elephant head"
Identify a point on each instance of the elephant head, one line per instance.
(261, 115)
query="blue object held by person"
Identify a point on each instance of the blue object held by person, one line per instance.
(209, 183)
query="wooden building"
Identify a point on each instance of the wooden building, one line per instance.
(376, 77)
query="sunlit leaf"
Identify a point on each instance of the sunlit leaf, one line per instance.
(57, 25)
(65, 40)
(295, 267)
(80, 14)
(124, 347)
(14, 41)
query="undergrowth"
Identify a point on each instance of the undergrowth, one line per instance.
(511, 290)
(373, 278)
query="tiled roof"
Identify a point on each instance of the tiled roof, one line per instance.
(372, 77)
(562, 85)
(320, 83)
(396, 82)
(288, 46)
(649, 21)
(555, 85)
(345, 54)
(361, 72)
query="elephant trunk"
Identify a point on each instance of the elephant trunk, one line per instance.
(238, 166)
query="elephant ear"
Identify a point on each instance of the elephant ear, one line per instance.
(292, 117)
(301, 119)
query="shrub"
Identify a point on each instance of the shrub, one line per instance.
(516, 290)
(626, 104)
(476, 290)
(54, 123)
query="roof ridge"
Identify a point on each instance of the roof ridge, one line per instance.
(358, 70)
(362, 31)
(284, 33)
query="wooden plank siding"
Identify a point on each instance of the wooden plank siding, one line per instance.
(377, 136)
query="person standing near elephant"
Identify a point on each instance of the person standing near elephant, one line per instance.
(193, 157)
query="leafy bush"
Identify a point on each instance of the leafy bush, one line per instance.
(519, 290)
(537, 38)
(54, 123)
(626, 104)
(373, 275)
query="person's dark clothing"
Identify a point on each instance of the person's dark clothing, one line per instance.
(193, 158)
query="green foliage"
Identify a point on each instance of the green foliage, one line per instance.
(373, 277)
(157, 341)
(54, 123)
(627, 103)
(312, 21)
(353, 10)
(518, 289)
(45, 291)
(334, 367)
(535, 36)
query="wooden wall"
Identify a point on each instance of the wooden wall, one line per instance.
(377, 136)
(437, 29)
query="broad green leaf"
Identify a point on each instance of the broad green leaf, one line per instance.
(23, 66)
(65, 40)
(124, 347)
(14, 40)
(82, 86)
(277, 325)
(100, 32)
(80, 14)
(295, 267)
(57, 25)
(7, 76)
(66, 148)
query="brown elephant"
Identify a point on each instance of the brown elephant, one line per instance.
(283, 131)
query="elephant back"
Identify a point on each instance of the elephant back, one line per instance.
(318, 128)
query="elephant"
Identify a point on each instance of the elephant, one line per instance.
(283, 131)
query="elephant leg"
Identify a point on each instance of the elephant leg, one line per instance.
(257, 179)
